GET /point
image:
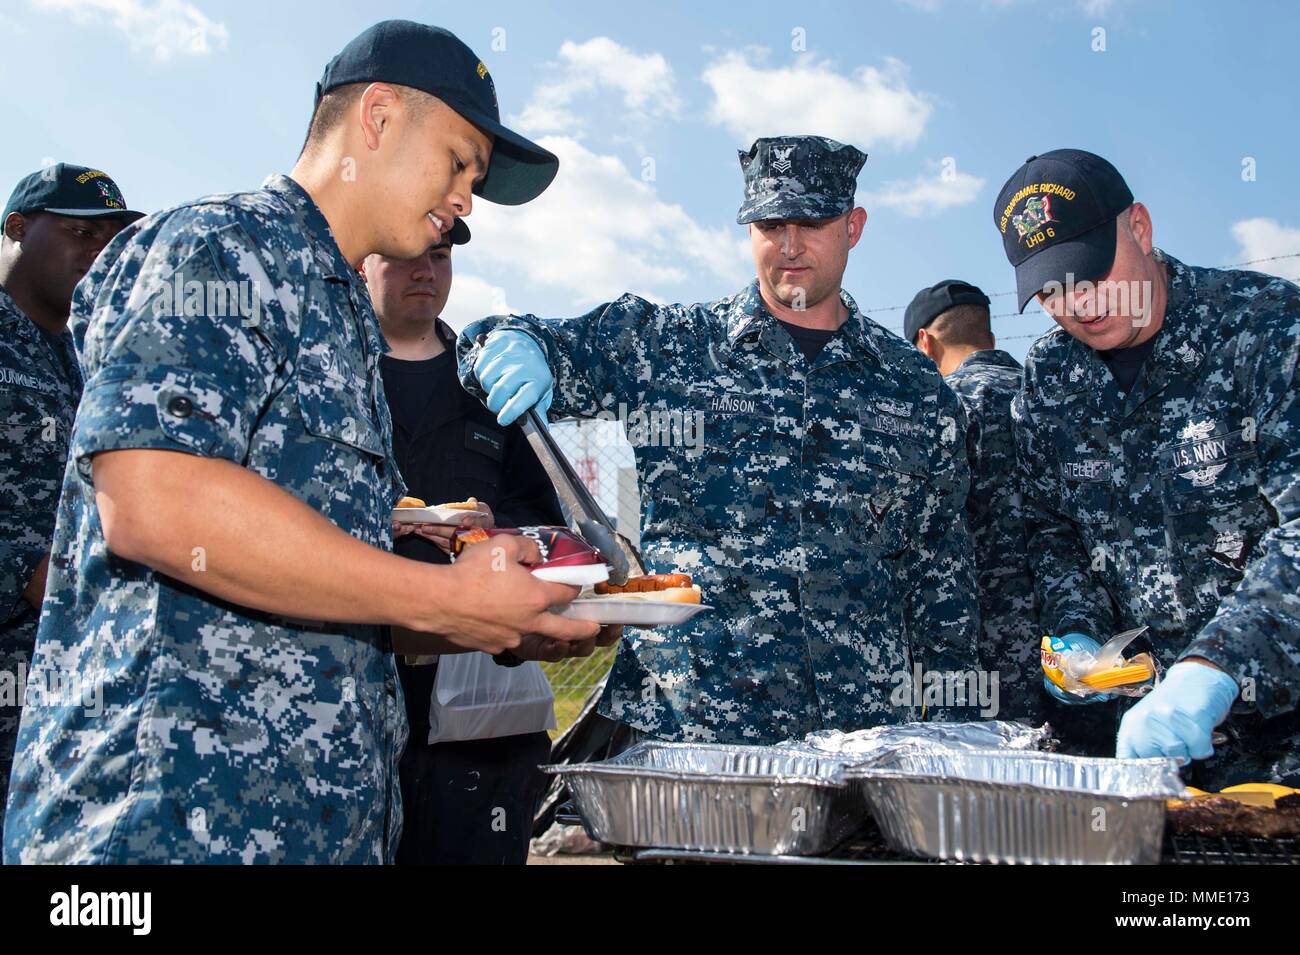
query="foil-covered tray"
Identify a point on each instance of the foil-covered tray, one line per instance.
(1016, 806)
(980, 735)
(755, 800)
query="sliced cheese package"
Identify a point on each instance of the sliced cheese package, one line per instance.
(1082, 673)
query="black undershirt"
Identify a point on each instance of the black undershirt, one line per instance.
(414, 389)
(811, 341)
(1125, 364)
(411, 387)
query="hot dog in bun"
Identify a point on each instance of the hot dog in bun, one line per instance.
(671, 588)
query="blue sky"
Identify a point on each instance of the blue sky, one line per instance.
(648, 103)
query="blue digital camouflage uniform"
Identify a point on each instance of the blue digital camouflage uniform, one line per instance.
(216, 733)
(821, 514)
(1178, 507)
(40, 385)
(986, 381)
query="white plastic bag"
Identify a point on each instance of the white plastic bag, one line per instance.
(476, 698)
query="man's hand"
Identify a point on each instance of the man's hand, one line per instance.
(1178, 717)
(256, 545)
(536, 647)
(441, 534)
(34, 592)
(491, 600)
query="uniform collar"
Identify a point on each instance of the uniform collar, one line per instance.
(39, 343)
(7, 304)
(329, 259)
(1180, 349)
(1181, 343)
(440, 328)
(995, 357)
(748, 316)
(325, 248)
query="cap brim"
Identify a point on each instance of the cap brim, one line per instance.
(459, 233)
(127, 214)
(780, 206)
(519, 170)
(1085, 258)
(911, 328)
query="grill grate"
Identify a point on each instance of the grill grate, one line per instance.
(867, 845)
(1231, 850)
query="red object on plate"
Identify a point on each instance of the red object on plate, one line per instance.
(560, 547)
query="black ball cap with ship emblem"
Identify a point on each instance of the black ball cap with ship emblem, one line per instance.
(67, 190)
(1057, 217)
(436, 61)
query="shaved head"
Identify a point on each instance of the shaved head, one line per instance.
(335, 106)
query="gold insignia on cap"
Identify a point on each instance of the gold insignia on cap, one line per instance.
(482, 71)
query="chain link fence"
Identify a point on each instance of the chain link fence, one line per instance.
(603, 459)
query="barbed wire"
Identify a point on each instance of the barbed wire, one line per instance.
(1012, 338)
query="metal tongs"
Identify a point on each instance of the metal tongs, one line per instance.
(585, 514)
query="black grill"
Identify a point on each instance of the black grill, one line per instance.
(867, 846)
(1231, 850)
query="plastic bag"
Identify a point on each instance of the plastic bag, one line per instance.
(476, 698)
(1082, 673)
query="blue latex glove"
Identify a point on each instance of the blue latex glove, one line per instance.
(1077, 641)
(1178, 717)
(512, 369)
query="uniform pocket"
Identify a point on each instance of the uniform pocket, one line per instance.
(1086, 502)
(332, 410)
(882, 503)
(340, 461)
(1194, 478)
(476, 476)
(730, 478)
(1214, 510)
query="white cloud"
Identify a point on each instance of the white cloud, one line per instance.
(473, 298)
(1264, 239)
(599, 231)
(166, 28)
(11, 27)
(645, 82)
(869, 107)
(929, 193)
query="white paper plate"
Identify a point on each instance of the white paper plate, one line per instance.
(632, 612)
(450, 516)
(580, 575)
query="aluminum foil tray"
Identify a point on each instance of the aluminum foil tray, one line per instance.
(1023, 807)
(752, 800)
(982, 735)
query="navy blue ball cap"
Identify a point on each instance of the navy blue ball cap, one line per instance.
(435, 61)
(459, 233)
(1057, 218)
(930, 303)
(67, 190)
